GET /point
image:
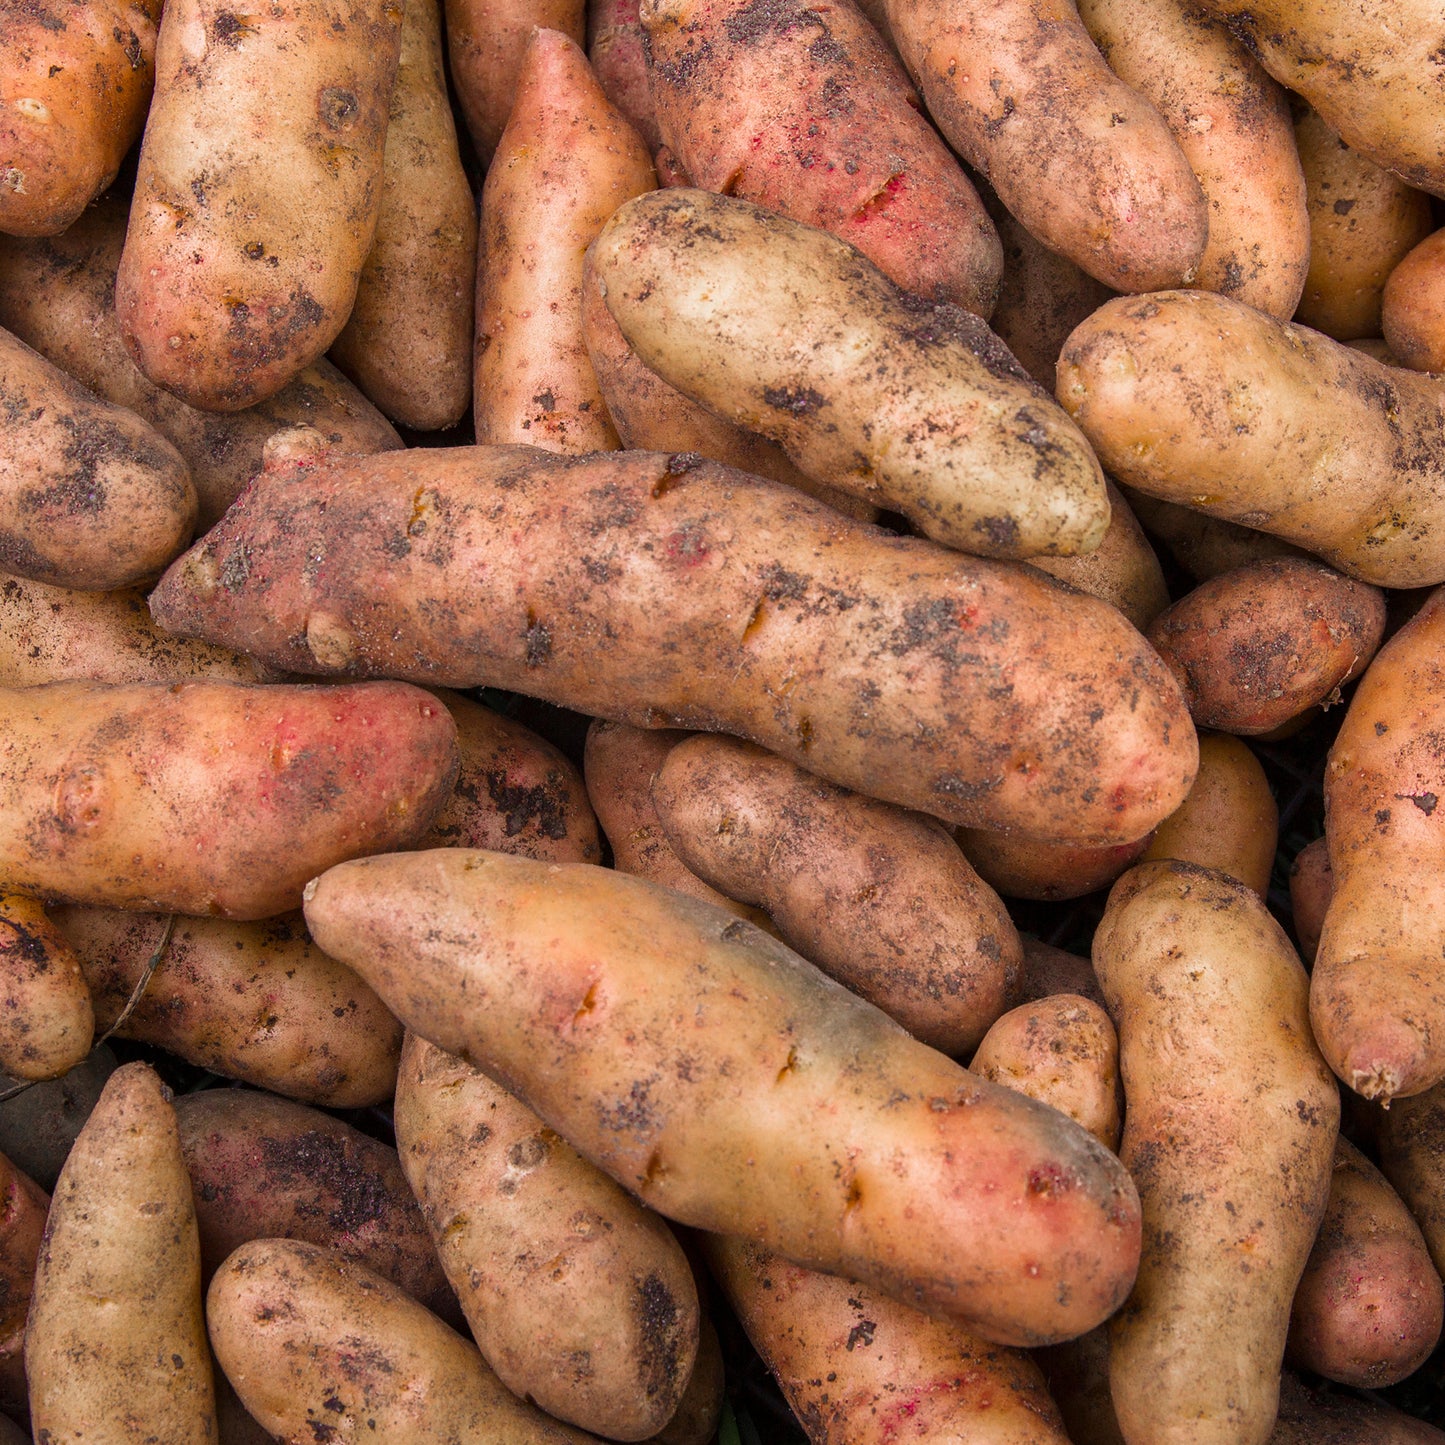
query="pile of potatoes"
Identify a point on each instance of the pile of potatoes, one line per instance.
(832, 375)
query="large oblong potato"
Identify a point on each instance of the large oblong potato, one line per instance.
(792, 333)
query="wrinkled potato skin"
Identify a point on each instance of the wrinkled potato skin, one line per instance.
(706, 589)
(1062, 1051)
(580, 1300)
(1025, 868)
(1412, 309)
(253, 1001)
(860, 1369)
(807, 112)
(90, 496)
(116, 1344)
(909, 405)
(879, 898)
(1369, 1306)
(1259, 646)
(1215, 1049)
(408, 341)
(585, 989)
(257, 194)
(211, 797)
(1308, 1417)
(1086, 163)
(1196, 398)
(23, 1209)
(1363, 221)
(1311, 885)
(567, 160)
(614, 49)
(1204, 546)
(320, 1346)
(1233, 124)
(46, 1019)
(1377, 996)
(268, 1168)
(73, 95)
(1229, 821)
(58, 296)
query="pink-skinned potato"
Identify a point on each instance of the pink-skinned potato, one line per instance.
(23, 1209)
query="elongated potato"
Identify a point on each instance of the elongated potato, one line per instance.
(1412, 308)
(1196, 398)
(580, 1300)
(116, 1345)
(257, 193)
(23, 1209)
(1229, 1134)
(981, 694)
(733, 1087)
(47, 1022)
(911, 406)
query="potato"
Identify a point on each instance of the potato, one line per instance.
(90, 496)
(116, 1345)
(1229, 1136)
(58, 295)
(1410, 1138)
(940, 424)
(40, 1123)
(408, 341)
(319, 1347)
(879, 898)
(1049, 970)
(73, 95)
(253, 1001)
(47, 1023)
(1025, 868)
(1204, 546)
(1313, 1417)
(695, 1422)
(1196, 398)
(257, 193)
(211, 797)
(807, 112)
(862, 1369)
(580, 1300)
(1412, 308)
(614, 49)
(1311, 883)
(902, 657)
(1369, 1306)
(734, 1088)
(23, 1209)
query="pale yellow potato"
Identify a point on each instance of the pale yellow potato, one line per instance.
(46, 1019)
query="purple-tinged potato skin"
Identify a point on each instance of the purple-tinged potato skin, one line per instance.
(1412, 309)
(257, 193)
(211, 797)
(46, 1018)
(1257, 647)
(1311, 885)
(979, 693)
(734, 1088)
(318, 1347)
(1369, 1306)
(878, 897)
(860, 1369)
(1315, 1417)
(1194, 398)
(1377, 994)
(115, 1348)
(1050, 872)
(252, 1001)
(23, 1210)
(581, 1300)
(807, 112)
(1229, 1135)
(269, 1168)
(615, 51)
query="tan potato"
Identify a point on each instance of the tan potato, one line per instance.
(320, 1347)
(1204, 546)
(253, 1001)
(859, 1369)
(580, 1300)
(978, 693)
(567, 160)
(614, 49)
(116, 1345)
(408, 341)
(234, 1424)
(734, 1088)
(879, 898)
(23, 1209)
(40, 1123)
(90, 496)
(941, 424)
(1196, 398)
(1311, 884)
(47, 1022)
(1026, 868)
(1363, 221)
(1229, 821)
(1412, 308)
(73, 95)
(1049, 970)
(1229, 1135)
(257, 193)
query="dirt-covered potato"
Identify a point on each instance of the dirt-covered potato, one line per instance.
(1203, 545)
(1049, 970)
(1319, 1417)
(40, 1123)
(46, 1019)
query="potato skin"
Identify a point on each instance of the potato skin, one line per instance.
(794, 1113)
(978, 693)
(1314, 1417)
(1049, 970)
(1311, 884)
(614, 50)
(211, 797)
(1412, 308)
(1215, 1049)
(23, 1210)
(39, 1125)
(1203, 545)
(1196, 398)
(118, 1284)
(46, 1019)
(1410, 1138)
(1026, 868)
(282, 112)
(580, 1300)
